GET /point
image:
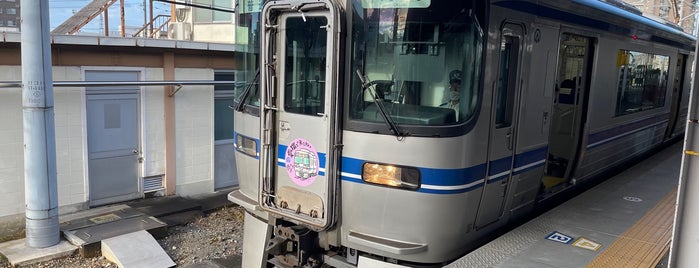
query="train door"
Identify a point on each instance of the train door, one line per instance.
(505, 105)
(677, 88)
(569, 109)
(298, 119)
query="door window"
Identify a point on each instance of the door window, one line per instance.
(509, 50)
(304, 85)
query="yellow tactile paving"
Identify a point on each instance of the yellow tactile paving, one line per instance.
(645, 243)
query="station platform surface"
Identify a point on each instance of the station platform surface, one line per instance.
(626, 221)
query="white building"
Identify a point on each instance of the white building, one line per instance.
(202, 24)
(123, 142)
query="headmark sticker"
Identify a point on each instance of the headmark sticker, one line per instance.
(559, 237)
(301, 161)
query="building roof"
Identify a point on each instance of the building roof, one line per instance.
(15, 37)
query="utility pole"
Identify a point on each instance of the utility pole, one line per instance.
(145, 19)
(121, 11)
(685, 235)
(40, 185)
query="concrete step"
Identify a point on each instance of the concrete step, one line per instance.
(135, 250)
(19, 254)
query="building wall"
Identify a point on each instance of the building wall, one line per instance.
(69, 143)
(221, 33)
(194, 109)
(194, 134)
(11, 140)
(193, 116)
(153, 118)
(69, 109)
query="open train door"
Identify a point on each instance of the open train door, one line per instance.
(299, 126)
(569, 111)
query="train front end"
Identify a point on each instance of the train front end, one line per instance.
(353, 149)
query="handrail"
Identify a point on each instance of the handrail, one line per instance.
(18, 84)
(151, 22)
(160, 28)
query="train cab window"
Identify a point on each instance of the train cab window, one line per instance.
(247, 89)
(642, 81)
(304, 77)
(420, 59)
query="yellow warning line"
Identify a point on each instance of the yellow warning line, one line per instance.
(646, 242)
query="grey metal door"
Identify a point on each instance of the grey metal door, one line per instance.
(112, 142)
(501, 148)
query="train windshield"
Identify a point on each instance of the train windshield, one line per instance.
(414, 62)
(247, 36)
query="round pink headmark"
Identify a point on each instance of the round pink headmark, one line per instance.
(301, 161)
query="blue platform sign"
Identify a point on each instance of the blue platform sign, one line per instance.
(559, 237)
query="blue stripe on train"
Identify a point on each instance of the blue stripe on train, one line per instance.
(440, 181)
(451, 181)
(281, 151)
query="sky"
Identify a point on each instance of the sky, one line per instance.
(60, 10)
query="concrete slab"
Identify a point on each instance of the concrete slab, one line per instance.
(88, 238)
(95, 218)
(135, 250)
(19, 254)
(91, 213)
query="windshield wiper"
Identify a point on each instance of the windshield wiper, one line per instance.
(379, 104)
(239, 106)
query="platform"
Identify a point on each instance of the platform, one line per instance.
(625, 221)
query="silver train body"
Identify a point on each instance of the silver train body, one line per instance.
(347, 156)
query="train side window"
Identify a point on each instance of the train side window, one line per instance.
(642, 81)
(507, 81)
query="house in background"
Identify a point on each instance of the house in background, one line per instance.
(9, 15)
(123, 142)
(684, 14)
(203, 24)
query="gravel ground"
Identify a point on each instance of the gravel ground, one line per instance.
(218, 235)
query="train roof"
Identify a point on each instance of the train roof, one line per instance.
(607, 16)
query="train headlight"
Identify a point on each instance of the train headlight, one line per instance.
(246, 145)
(391, 175)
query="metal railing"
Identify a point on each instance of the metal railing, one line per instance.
(154, 27)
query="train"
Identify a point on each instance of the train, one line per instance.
(401, 133)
